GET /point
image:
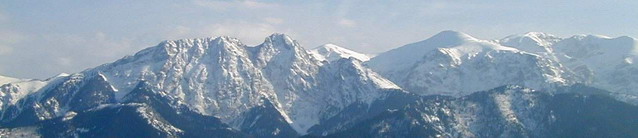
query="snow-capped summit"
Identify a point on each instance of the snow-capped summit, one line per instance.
(597, 60)
(450, 37)
(12, 89)
(454, 63)
(538, 38)
(603, 61)
(332, 52)
(279, 42)
(457, 44)
(586, 46)
(222, 77)
(533, 42)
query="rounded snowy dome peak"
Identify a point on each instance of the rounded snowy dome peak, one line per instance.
(450, 35)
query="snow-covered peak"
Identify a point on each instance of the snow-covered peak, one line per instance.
(279, 49)
(537, 36)
(356, 65)
(278, 39)
(459, 45)
(332, 52)
(530, 41)
(590, 36)
(62, 75)
(454, 40)
(12, 90)
(602, 47)
(603, 61)
(454, 63)
(597, 60)
(199, 46)
(450, 37)
(533, 42)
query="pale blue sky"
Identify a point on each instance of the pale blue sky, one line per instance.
(39, 39)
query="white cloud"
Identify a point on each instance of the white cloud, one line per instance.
(255, 4)
(347, 23)
(181, 30)
(79, 49)
(5, 50)
(248, 32)
(451, 8)
(53, 53)
(8, 37)
(222, 5)
(3, 17)
(7, 40)
(50, 54)
(64, 61)
(272, 20)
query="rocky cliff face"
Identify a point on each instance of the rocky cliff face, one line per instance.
(508, 111)
(218, 77)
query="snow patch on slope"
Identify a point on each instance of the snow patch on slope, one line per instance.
(16, 89)
(454, 63)
(331, 52)
(160, 125)
(459, 44)
(531, 41)
(602, 61)
(596, 60)
(5, 80)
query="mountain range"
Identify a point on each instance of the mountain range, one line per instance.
(449, 85)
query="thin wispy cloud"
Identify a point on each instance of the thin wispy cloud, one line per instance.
(63, 53)
(272, 20)
(347, 23)
(247, 32)
(233, 5)
(3, 17)
(8, 37)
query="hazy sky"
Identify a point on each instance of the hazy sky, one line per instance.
(39, 39)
